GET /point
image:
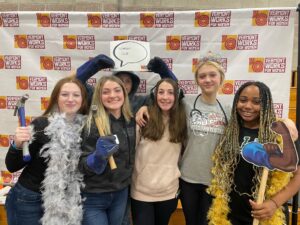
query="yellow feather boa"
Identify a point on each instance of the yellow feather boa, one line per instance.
(219, 210)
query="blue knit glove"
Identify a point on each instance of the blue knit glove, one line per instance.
(157, 65)
(105, 147)
(91, 67)
(255, 153)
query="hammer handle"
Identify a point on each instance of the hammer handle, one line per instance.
(111, 160)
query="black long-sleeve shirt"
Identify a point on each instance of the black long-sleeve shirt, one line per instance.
(33, 173)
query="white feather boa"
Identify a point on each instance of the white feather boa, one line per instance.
(61, 187)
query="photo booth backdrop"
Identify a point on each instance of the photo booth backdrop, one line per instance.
(38, 48)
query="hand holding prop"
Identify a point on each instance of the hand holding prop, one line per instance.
(20, 109)
(285, 160)
(111, 160)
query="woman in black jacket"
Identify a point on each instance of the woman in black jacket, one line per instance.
(106, 190)
(48, 189)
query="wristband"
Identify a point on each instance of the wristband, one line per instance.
(13, 144)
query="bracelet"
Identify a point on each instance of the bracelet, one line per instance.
(13, 144)
(272, 200)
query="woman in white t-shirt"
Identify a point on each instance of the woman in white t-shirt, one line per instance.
(206, 122)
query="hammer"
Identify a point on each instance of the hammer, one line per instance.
(20, 109)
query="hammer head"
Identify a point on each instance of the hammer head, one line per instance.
(23, 99)
(21, 103)
(94, 109)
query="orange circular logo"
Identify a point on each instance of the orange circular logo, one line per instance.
(47, 64)
(23, 84)
(257, 66)
(1, 63)
(4, 142)
(71, 43)
(22, 42)
(2, 103)
(45, 21)
(174, 44)
(148, 21)
(95, 21)
(44, 103)
(227, 88)
(6, 176)
(203, 20)
(27, 120)
(261, 19)
(230, 43)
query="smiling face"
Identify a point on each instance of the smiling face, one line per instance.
(112, 97)
(69, 99)
(248, 106)
(209, 79)
(165, 97)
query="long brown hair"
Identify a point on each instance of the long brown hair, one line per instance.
(177, 118)
(53, 106)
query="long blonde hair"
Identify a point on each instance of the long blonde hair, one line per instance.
(102, 112)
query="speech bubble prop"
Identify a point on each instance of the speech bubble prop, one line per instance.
(130, 55)
(270, 155)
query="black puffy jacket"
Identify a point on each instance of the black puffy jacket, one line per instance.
(119, 178)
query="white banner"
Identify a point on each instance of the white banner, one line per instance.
(38, 48)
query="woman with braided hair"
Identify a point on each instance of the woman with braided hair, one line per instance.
(236, 182)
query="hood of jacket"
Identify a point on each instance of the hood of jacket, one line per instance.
(135, 81)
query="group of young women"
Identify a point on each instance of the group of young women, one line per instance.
(176, 151)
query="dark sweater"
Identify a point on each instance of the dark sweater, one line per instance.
(110, 180)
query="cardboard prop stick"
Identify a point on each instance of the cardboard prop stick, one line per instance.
(261, 191)
(20, 109)
(271, 156)
(111, 160)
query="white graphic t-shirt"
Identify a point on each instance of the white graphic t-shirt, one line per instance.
(206, 123)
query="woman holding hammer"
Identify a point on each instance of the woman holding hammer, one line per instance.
(110, 129)
(48, 189)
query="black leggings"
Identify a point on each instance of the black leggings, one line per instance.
(152, 213)
(195, 202)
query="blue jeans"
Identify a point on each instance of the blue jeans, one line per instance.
(23, 206)
(127, 216)
(104, 208)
